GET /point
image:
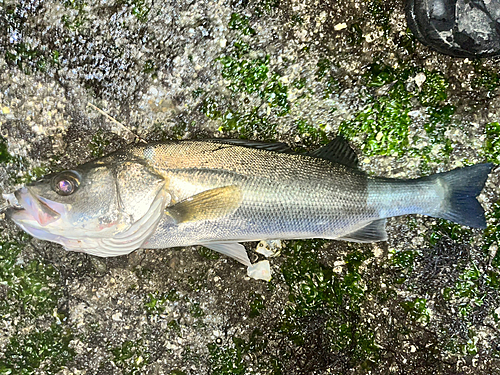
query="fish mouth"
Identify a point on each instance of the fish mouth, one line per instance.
(27, 207)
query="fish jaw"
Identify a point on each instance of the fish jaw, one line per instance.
(46, 220)
(34, 214)
(29, 209)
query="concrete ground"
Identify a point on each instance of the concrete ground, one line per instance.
(427, 301)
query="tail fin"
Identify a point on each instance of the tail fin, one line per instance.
(463, 186)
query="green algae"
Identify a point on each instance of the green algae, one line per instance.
(299, 83)
(251, 76)
(25, 353)
(242, 23)
(380, 13)
(155, 303)
(355, 34)
(131, 357)
(325, 70)
(444, 228)
(98, 144)
(335, 299)
(262, 7)
(74, 21)
(207, 253)
(29, 59)
(404, 262)
(230, 358)
(22, 173)
(246, 125)
(149, 67)
(226, 359)
(408, 41)
(195, 310)
(465, 347)
(492, 235)
(311, 135)
(439, 122)
(247, 75)
(256, 304)
(485, 78)
(4, 153)
(175, 327)
(139, 8)
(491, 148)
(275, 95)
(417, 310)
(466, 291)
(31, 290)
(324, 65)
(210, 108)
(19, 169)
(30, 286)
(385, 121)
(434, 89)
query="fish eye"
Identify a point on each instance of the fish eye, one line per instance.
(66, 183)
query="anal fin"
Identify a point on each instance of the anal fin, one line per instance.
(373, 232)
(231, 249)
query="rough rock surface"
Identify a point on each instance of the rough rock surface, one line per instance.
(427, 301)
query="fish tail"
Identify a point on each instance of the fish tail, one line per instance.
(462, 186)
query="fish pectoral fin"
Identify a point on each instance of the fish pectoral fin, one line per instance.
(373, 232)
(208, 205)
(232, 249)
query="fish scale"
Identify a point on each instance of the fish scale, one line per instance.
(285, 195)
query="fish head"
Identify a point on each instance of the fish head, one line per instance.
(100, 208)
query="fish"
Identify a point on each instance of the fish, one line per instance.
(220, 193)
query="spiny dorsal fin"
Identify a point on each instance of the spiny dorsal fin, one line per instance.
(207, 205)
(337, 151)
(276, 146)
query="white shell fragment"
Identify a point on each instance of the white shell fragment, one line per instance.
(260, 271)
(340, 26)
(269, 249)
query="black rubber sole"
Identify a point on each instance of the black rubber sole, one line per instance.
(443, 35)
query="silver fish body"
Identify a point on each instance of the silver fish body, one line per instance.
(219, 193)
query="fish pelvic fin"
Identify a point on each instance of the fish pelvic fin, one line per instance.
(232, 249)
(208, 205)
(462, 186)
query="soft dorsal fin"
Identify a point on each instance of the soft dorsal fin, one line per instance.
(276, 146)
(337, 151)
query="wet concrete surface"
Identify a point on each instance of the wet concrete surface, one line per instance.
(426, 301)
